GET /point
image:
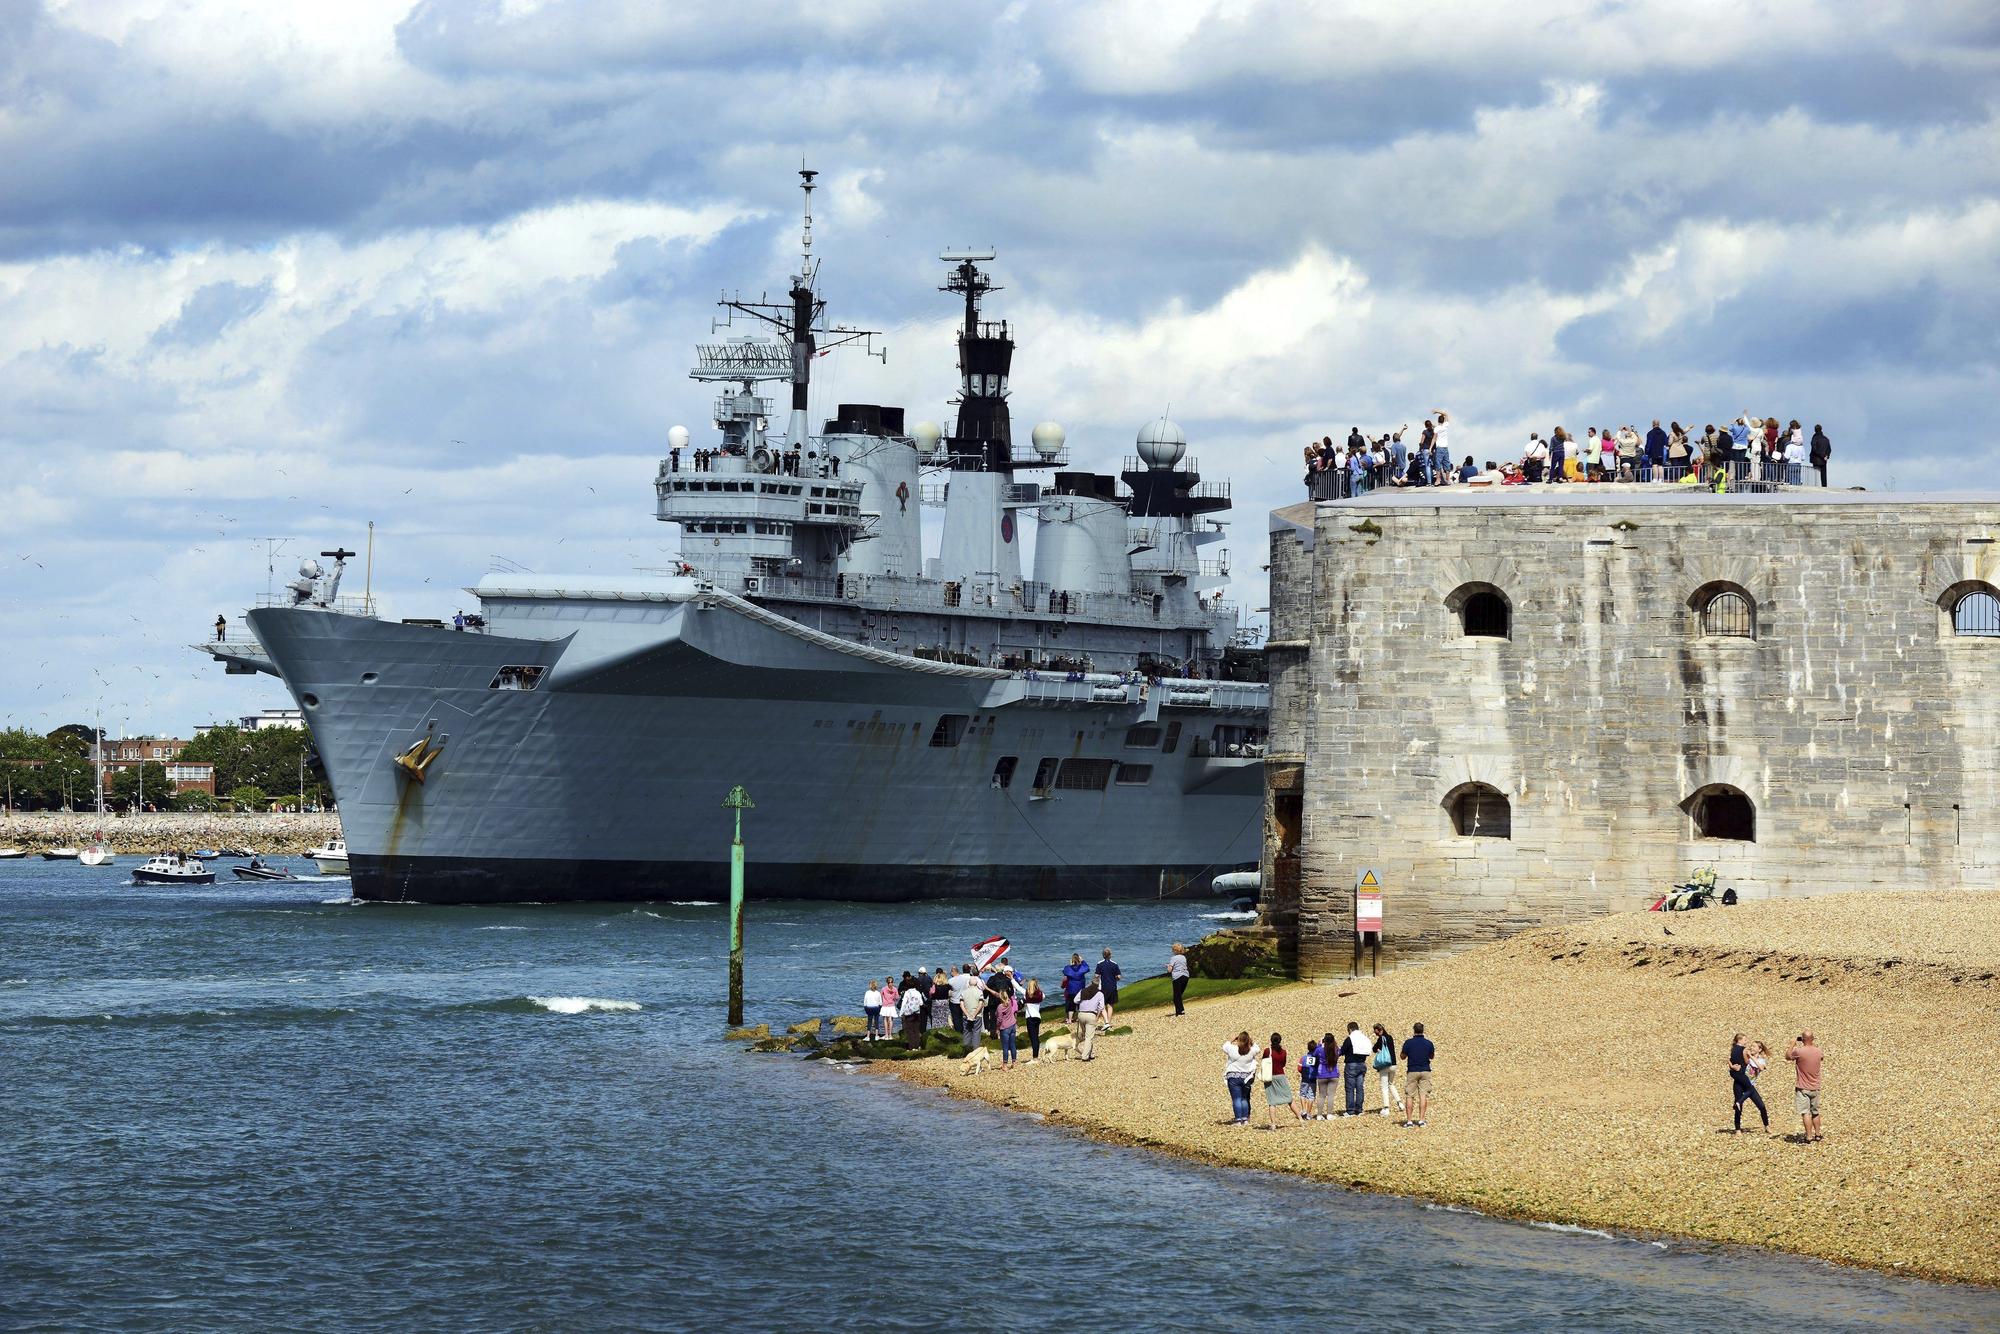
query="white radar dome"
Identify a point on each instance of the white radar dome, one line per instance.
(927, 435)
(1161, 443)
(1048, 438)
(677, 437)
(309, 568)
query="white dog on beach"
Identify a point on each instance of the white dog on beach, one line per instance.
(1059, 1044)
(976, 1061)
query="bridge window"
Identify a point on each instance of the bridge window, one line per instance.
(1721, 811)
(1134, 775)
(950, 730)
(1479, 810)
(1976, 614)
(1003, 772)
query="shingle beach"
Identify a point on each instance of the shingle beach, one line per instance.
(1581, 1078)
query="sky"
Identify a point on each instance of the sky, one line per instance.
(275, 270)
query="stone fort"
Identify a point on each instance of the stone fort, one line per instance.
(1535, 704)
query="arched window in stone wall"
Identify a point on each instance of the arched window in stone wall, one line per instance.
(1483, 611)
(1975, 612)
(1479, 810)
(1726, 611)
(1722, 811)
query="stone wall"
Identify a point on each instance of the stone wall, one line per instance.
(1864, 732)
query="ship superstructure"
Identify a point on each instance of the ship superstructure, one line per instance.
(1087, 725)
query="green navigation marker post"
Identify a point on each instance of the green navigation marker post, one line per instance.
(739, 801)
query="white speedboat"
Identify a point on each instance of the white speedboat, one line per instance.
(12, 854)
(332, 858)
(173, 869)
(61, 854)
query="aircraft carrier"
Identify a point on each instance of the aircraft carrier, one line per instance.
(908, 726)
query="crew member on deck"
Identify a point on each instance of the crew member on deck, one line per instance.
(221, 629)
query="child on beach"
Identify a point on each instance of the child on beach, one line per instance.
(1031, 1011)
(1004, 1014)
(1308, 1077)
(890, 1000)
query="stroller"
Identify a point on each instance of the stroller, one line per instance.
(1697, 892)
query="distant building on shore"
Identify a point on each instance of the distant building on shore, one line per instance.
(131, 752)
(256, 722)
(1530, 705)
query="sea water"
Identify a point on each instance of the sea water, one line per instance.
(265, 1106)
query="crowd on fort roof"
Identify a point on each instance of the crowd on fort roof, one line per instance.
(1749, 451)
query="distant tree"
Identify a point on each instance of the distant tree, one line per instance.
(18, 743)
(228, 749)
(73, 739)
(194, 799)
(126, 787)
(247, 798)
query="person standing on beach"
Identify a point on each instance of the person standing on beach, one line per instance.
(1108, 974)
(1327, 1077)
(915, 1003)
(1240, 1066)
(1417, 1054)
(1089, 1014)
(1076, 974)
(1177, 973)
(1005, 1012)
(1741, 1087)
(1384, 1063)
(1277, 1085)
(871, 1005)
(1031, 1014)
(1309, 1077)
(972, 1009)
(1355, 1050)
(1806, 1056)
(891, 1000)
(942, 1012)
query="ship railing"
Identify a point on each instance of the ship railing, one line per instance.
(361, 606)
(1033, 458)
(1022, 493)
(1189, 465)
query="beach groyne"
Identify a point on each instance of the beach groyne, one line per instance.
(165, 831)
(1582, 1079)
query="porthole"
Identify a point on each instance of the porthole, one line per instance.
(369, 678)
(310, 701)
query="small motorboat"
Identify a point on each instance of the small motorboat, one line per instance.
(204, 854)
(173, 869)
(256, 869)
(12, 854)
(61, 854)
(332, 858)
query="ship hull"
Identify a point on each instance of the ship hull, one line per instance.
(606, 782)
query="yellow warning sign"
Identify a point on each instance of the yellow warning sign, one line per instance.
(1367, 903)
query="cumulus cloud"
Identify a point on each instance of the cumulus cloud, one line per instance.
(284, 270)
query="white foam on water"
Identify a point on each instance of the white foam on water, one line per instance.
(692, 903)
(1573, 1228)
(1228, 916)
(338, 903)
(499, 928)
(641, 912)
(579, 1004)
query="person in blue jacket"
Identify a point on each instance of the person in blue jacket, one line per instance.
(1075, 974)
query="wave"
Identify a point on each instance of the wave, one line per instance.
(1228, 916)
(1576, 1229)
(254, 1015)
(499, 928)
(580, 1004)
